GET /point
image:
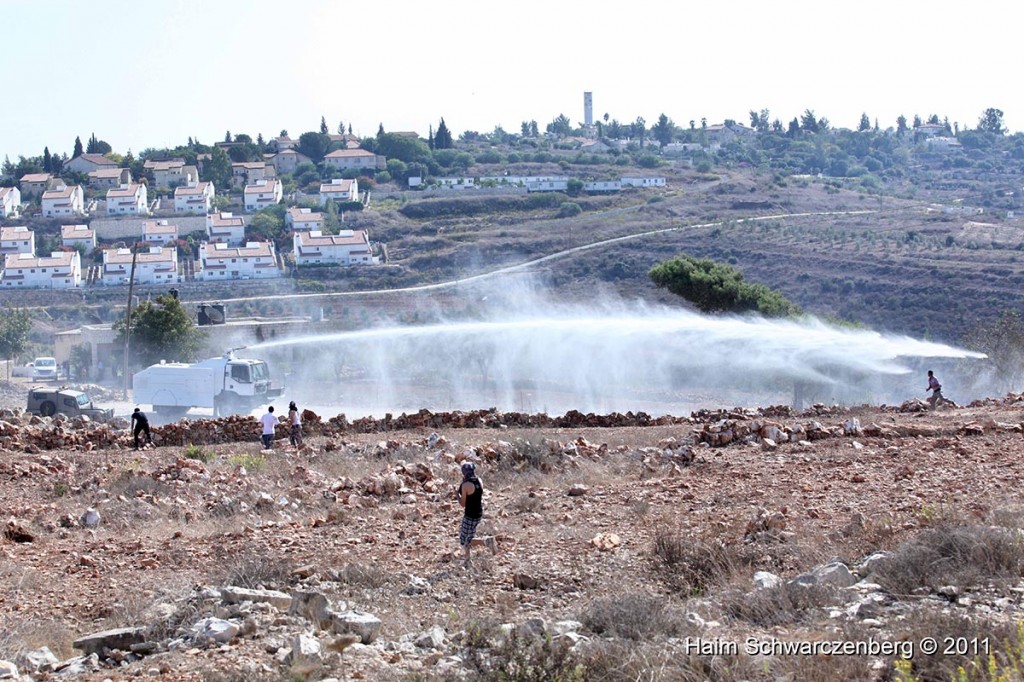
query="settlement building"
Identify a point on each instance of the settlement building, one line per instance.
(73, 236)
(225, 228)
(158, 266)
(59, 270)
(348, 247)
(254, 260)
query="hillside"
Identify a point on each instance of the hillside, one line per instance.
(221, 562)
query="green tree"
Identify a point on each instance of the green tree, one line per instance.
(160, 330)
(808, 123)
(716, 288)
(443, 137)
(15, 325)
(574, 187)
(406, 149)
(901, 125)
(865, 122)
(217, 169)
(47, 160)
(78, 148)
(323, 126)
(663, 130)
(314, 145)
(991, 121)
(560, 126)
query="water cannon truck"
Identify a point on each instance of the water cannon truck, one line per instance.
(227, 384)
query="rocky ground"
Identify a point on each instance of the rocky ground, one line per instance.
(624, 547)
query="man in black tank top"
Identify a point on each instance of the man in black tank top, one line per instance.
(471, 497)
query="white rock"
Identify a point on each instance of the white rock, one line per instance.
(431, 639)
(237, 595)
(851, 427)
(305, 651)
(8, 671)
(563, 626)
(764, 580)
(366, 625)
(34, 661)
(218, 630)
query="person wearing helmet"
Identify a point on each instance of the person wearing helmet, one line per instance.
(471, 498)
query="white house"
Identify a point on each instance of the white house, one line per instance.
(304, 219)
(602, 186)
(456, 183)
(86, 163)
(78, 235)
(926, 130)
(159, 232)
(17, 240)
(171, 172)
(359, 159)
(109, 177)
(194, 197)
(34, 184)
(60, 270)
(67, 200)
(250, 172)
(286, 160)
(128, 199)
(283, 142)
(549, 185)
(254, 260)
(10, 202)
(942, 144)
(226, 228)
(643, 182)
(261, 194)
(159, 266)
(348, 247)
(340, 190)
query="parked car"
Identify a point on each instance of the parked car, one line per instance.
(49, 401)
(44, 369)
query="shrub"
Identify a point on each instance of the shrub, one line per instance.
(782, 605)
(197, 452)
(631, 616)
(569, 209)
(249, 461)
(963, 556)
(691, 566)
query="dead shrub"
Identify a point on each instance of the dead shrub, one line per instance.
(359, 575)
(959, 555)
(691, 565)
(614, 660)
(950, 630)
(632, 616)
(521, 658)
(254, 571)
(783, 605)
(21, 635)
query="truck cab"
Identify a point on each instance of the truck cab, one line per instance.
(50, 401)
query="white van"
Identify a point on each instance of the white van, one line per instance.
(44, 369)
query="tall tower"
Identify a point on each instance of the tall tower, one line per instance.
(588, 108)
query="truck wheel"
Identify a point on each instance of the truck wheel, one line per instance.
(173, 412)
(47, 409)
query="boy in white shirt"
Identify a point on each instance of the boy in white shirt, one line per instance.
(269, 421)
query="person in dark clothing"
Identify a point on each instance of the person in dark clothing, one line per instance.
(471, 498)
(140, 424)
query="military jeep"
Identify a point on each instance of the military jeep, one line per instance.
(50, 401)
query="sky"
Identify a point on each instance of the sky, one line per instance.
(154, 73)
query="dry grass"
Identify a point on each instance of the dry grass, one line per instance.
(633, 616)
(690, 566)
(783, 605)
(958, 555)
(255, 571)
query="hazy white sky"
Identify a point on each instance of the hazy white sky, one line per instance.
(153, 73)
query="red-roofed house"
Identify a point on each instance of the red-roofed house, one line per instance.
(78, 235)
(66, 200)
(262, 193)
(249, 172)
(194, 197)
(354, 158)
(86, 163)
(59, 270)
(109, 177)
(340, 190)
(128, 200)
(254, 260)
(159, 232)
(303, 219)
(34, 184)
(159, 266)
(348, 247)
(225, 228)
(17, 240)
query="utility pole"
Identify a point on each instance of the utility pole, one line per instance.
(128, 321)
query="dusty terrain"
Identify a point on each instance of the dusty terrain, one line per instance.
(647, 537)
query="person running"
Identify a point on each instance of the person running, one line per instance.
(471, 498)
(936, 388)
(269, 421)
(140, 424)
(295, 437)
